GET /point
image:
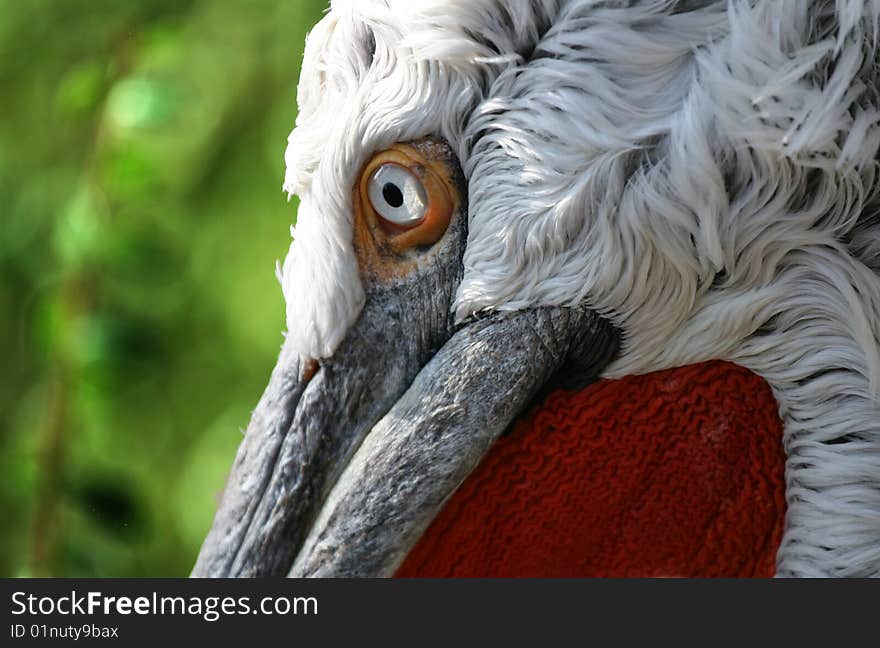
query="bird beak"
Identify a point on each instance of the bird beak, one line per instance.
(345, 462)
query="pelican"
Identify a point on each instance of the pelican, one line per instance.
(496, 197)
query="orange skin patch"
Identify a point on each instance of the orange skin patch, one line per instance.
(310, 369)
(385, 251)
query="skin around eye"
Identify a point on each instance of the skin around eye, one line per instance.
(406, 197)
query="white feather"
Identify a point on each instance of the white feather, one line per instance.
(703, 173)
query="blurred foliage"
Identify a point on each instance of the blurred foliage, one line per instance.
(141, 162)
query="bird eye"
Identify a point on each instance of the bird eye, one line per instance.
(405, 197)
(397, 195)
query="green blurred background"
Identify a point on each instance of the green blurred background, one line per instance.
(141, 163)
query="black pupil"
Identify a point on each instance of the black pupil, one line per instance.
(392, 194)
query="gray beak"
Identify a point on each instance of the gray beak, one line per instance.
(342, 468)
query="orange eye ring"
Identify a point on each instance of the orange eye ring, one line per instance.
(424, 206)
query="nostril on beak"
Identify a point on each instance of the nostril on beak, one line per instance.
(310, 368)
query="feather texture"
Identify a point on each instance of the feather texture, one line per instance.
(705, 174)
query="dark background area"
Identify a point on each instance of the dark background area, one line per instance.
(141, 163)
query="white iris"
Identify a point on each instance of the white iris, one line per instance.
(397, 195)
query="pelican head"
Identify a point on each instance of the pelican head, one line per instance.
(496, 197)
